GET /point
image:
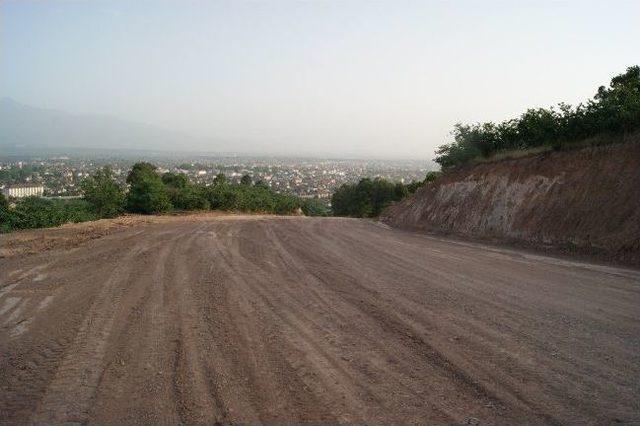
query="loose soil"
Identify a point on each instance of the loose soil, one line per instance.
(582, 201)
(269, 319)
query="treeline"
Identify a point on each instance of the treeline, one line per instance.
(369, 197)
(613, 110)
(35, 212)
(150, 193)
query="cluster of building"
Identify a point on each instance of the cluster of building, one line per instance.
(309, 178)
(23, 190)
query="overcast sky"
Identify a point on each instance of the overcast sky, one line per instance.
(364, 78)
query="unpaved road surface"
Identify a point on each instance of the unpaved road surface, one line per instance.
(254, 319)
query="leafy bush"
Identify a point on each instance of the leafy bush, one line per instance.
(35, 212)
(147, 193)
(103, 193)
(246, 180)
(221, 196)
(613, 110)
(367, 198)
(4, 205)
(182, 194)
(251, 198)
(315, 207)
(431, 177)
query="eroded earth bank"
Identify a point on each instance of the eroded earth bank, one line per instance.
(584, 201)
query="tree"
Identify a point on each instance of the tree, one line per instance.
(4, 214)
(286, 203)
(617, 107)
(175, 180)
(400, 191)
(246, 180)
(315, 207)
(184, 195)
(139, 170)
(431, 176)
(220, 179)
(261, 184)
(613, 110)
(4, 204)
(103, 193)
(147, 194)
(367, 198)
(413, 186)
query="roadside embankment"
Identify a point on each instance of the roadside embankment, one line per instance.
(585, 201)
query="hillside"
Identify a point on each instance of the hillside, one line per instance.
(26, 128)
(586, 201)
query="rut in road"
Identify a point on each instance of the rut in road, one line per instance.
(249, 319)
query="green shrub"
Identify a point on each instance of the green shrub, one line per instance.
(182, 194)
(286, 204)
(35, 212)
(315, 207)
(251, 198)
(367, 198)
(4, 213)
(147, 193)
(102, 192)
(613, 110)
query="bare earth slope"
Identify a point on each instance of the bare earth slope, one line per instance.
(586, 201)
(264, 319)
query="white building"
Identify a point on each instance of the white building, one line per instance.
(21, 191)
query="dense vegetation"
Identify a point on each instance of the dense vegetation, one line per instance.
(369, 197)
(35, 212)
(149, 193)
(613, 110)
(104, 195)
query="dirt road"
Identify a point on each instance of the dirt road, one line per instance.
(270, 319)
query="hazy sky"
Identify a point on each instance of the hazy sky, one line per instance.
(365, 78)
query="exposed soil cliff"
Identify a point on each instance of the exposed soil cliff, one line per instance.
(586, 200)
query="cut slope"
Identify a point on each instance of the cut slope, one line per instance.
(587, 200)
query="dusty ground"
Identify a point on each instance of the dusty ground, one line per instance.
(270, 319)
(71, 235)
(582, 201)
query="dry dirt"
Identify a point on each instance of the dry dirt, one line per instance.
(262, 319)
(72, 234)
(582, 201)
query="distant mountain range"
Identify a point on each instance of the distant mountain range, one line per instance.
(26, 128)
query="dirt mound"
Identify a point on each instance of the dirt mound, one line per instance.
(587, 201)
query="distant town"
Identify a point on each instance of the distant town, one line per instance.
(60, 176)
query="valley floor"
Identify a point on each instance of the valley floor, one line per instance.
(246, 319)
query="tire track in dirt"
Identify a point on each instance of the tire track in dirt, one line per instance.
(197, 395)
(70, 394)
(313, 320)
(272, 383)
(529, 399)
(390, 321)
(138, 349)
(368, 305)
